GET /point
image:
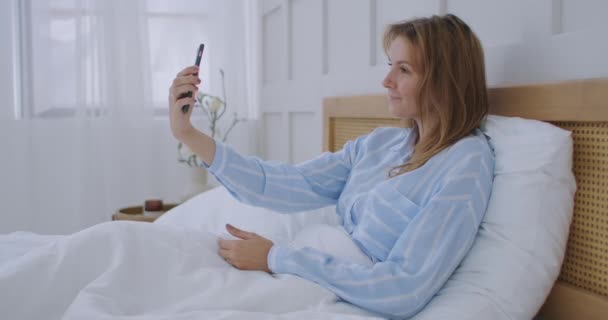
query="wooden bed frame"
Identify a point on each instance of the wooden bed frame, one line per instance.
(581, 106)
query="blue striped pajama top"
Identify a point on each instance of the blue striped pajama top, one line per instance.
(416, 227)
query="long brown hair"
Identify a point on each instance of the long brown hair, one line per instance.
(452, 84)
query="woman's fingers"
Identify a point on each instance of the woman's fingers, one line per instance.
(248, 254)
(239, 233)
(224, 253)
(186, 80)
(181, 91)
(188, 71)
(184, 83)
(226, 244)
(179, 103)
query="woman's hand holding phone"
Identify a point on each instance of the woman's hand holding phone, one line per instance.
(184, 82)
(182, 95)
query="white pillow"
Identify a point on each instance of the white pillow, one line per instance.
(213, 209)
(521, 243)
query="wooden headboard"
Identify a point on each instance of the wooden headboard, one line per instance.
(581, 106)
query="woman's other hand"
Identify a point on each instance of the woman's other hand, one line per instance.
(184, 82)
(250, 253)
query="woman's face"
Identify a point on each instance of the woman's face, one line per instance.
(402, 80)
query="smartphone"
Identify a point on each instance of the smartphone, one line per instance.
(199, 56)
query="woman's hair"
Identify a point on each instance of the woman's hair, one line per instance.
(449, 59)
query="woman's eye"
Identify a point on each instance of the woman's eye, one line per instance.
(405, 70)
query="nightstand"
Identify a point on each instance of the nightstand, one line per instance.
(137, 213)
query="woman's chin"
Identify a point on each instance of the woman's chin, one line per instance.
(394, 110)
(399, 112)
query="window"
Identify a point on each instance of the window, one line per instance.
(72, 53)
(58, 47)
(175, 29)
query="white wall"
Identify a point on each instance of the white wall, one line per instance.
(317, 48)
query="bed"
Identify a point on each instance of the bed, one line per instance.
(580, 106)
(169, 269)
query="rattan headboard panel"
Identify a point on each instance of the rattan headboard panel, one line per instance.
(586, 262)
(344, 129)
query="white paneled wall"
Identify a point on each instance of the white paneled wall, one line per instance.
(274, 136)
(274, 45)
(577, 15)
(348, 31)
(390, 11)
(496, 23)
(306, 47)
(317, 48)
(302, 130)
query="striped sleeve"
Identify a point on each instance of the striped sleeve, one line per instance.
(428, 250)
(282, 187)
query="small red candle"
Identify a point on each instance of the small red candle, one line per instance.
(153, 205)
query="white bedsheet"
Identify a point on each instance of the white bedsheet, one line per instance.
(130, 270)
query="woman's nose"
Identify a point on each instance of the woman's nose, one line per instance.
(387, 82)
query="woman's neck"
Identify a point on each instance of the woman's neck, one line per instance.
(423, 134)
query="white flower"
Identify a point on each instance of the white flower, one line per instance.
(185, 151)
(215, 105)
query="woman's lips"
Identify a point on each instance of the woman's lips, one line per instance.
(393, 99)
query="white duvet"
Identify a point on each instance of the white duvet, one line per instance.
(132, 270)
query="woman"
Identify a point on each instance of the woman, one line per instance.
(411, 199)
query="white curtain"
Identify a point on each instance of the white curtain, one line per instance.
(93, 135)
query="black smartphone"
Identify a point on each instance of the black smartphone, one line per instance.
(199, 56)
